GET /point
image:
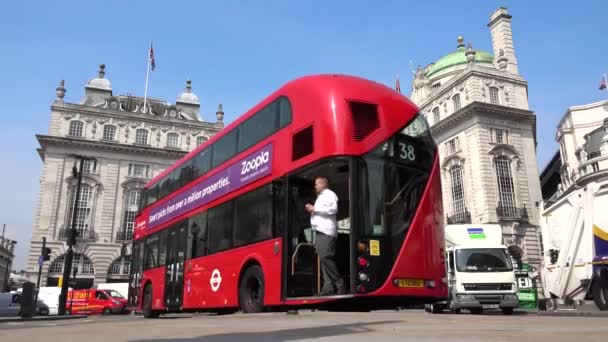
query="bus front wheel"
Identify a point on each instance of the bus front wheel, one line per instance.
(147, 305)
(251, 290)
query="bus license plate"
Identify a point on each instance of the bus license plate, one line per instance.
(490, 306)
(410, 283)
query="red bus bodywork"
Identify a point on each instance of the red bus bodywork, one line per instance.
(211, 282)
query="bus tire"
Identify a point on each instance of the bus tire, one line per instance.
(147, 303)
(600, 295)
(251, 290)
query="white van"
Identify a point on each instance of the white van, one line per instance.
(49, 295)
(9, 304)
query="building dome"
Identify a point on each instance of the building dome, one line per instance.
(100, 82)
(188, 96)
(459, 57)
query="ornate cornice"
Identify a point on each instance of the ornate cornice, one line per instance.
(70, 110)
(79, 143)
(483, 108)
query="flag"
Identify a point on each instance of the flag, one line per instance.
(603, 83)
(397, 85)
(152, 62)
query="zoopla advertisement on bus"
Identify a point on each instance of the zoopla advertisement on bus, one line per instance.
(252, 167)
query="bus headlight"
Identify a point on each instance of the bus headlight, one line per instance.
(363, 277)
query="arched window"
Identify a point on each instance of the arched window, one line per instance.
(173, 140)
(80, 261)
(76, 128)
(120, 266)
(506, 189)
(456, 101)
(141, 136)
(494, 95)
(83, 213)
(457, 187)
(109, 133)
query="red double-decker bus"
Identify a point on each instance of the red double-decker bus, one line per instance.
(225, 228)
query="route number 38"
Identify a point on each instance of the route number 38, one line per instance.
(407, 152)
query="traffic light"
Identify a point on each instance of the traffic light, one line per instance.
(46, 254)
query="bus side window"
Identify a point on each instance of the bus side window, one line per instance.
(198, 230)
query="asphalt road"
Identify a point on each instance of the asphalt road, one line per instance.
(313, 326)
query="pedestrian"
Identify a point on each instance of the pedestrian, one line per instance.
(323, 222)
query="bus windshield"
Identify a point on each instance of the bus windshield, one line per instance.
(483, 260)
(402, 166)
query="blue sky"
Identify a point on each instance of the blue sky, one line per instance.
(237, 52)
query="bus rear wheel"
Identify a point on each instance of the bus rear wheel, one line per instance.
(251, 290)
(147, 305)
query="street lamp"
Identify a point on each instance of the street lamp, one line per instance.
(72, 234)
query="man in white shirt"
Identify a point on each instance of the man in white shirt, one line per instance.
(323, 221)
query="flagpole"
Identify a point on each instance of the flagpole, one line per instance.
(147, 74)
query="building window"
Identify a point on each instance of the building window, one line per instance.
(435, 115)
(76, 128)
(494, 95)
(139, 170)
(499, 136)
(131, 206)
(504, 177)
(200, 140)
(120, 266)
(172, 140)
(77, 261)
(89, 166)
(109, 132)
(453, 146)
(83, 214)
(57, 265)
(141, 136)
(457, 184)
(456, 100)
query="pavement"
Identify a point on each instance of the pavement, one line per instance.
(40, 318)
(407, 325)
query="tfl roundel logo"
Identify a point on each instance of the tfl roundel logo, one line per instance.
(216, 280)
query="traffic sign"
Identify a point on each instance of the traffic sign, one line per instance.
(40, 261)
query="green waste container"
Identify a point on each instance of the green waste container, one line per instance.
(527, 292)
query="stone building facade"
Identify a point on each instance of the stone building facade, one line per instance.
(477, 105)
(7, 250)
(131, 143)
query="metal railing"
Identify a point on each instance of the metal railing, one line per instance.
(460, 217)
(124, 235)
(511, 212)
(87, 234)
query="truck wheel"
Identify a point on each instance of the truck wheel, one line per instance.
(251, 290)
(600, 295)
(147, 305)
(436, 308)
(507, 311)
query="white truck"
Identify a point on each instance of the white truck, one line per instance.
(479, 270)
(575, 246)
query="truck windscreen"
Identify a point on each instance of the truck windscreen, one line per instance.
(483, 260)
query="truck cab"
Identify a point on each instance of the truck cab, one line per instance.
(480, 271)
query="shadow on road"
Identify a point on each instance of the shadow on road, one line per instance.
(283, 335)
